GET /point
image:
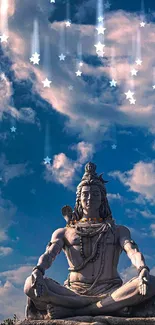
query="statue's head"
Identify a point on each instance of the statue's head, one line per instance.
(91, 194)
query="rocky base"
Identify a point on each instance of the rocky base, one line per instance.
(86, 320)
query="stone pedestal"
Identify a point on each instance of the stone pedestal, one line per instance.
(89, 320)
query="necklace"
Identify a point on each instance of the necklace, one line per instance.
(97, 253)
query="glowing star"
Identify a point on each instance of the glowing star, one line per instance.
(52, 1)
(153, 86)
(107, 5)
(68, 23)
(100, 30)
(113, 83)
(70, 87)
(114, 146)
(3, 76)
(100, 54)
(142, 24)
(35, 58)
(47, 160)
(78, 73)
(132, 101)
(80, 64)
(100, 19)
(138, 62)
(13, 129)
(62, 57)
(4, 38)
(46, 83)
(129, 94)
(99, 46)
(134, 72)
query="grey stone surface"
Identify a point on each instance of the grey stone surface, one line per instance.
(98, 320)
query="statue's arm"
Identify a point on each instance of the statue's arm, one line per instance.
(53, 249)
(130, 247)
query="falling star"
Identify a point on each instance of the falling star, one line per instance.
(13, 129)
(138, 62)
(35, 58)
(134, 72)
(100, 30)
(4, 38)
(99, 46)
(62, 57)
(35, 43)
(46, 83)
(132, 101)
(68, 23)
(129, 94)
(142, 24)
(78, 73)
(47, 160)
(113, 83)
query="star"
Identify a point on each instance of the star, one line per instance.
(138, 62)
(68, 23)
(3, 76)
(100, 29)
(62, 57)
(100, 19)
(35, 58)
(153, 86)
(80, 64)
(52, 1)
(78, 73)
(4, 38)
(114, 146)
(99, 46)
(107, 5)
(46, 83)
(134, 72)
(47, 160)
(113, 83)
(132, 101)
(142, 24)
(129, 94)
(100, 54)
(13, 129)
(70, 87)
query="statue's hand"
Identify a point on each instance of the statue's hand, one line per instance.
(144, 277)
(38, 283)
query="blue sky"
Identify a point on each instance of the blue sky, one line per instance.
(90, 121)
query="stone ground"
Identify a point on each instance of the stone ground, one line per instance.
(86, 320)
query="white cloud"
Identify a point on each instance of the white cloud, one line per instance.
(17, 276)
(4, 251)
(89, 115)
(12, 301)
(140, 179)
(64, 170)
(10, 171)
(12, 297)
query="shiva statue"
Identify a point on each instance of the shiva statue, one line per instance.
(92, 243)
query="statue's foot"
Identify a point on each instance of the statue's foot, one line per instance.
(57, 312)
(32, 313)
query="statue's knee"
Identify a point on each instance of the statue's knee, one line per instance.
(27, 287)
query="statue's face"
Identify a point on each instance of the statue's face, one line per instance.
(90, 198)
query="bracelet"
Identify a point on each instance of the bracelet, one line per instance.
(38, 267)
(143, 267)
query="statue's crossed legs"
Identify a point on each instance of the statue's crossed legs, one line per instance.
(65, 302)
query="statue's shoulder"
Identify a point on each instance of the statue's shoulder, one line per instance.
(58, 234)
(122, 231)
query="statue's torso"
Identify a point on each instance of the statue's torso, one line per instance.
(108, 255)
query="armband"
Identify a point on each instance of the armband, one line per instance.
(38, 267)
(143, 267)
